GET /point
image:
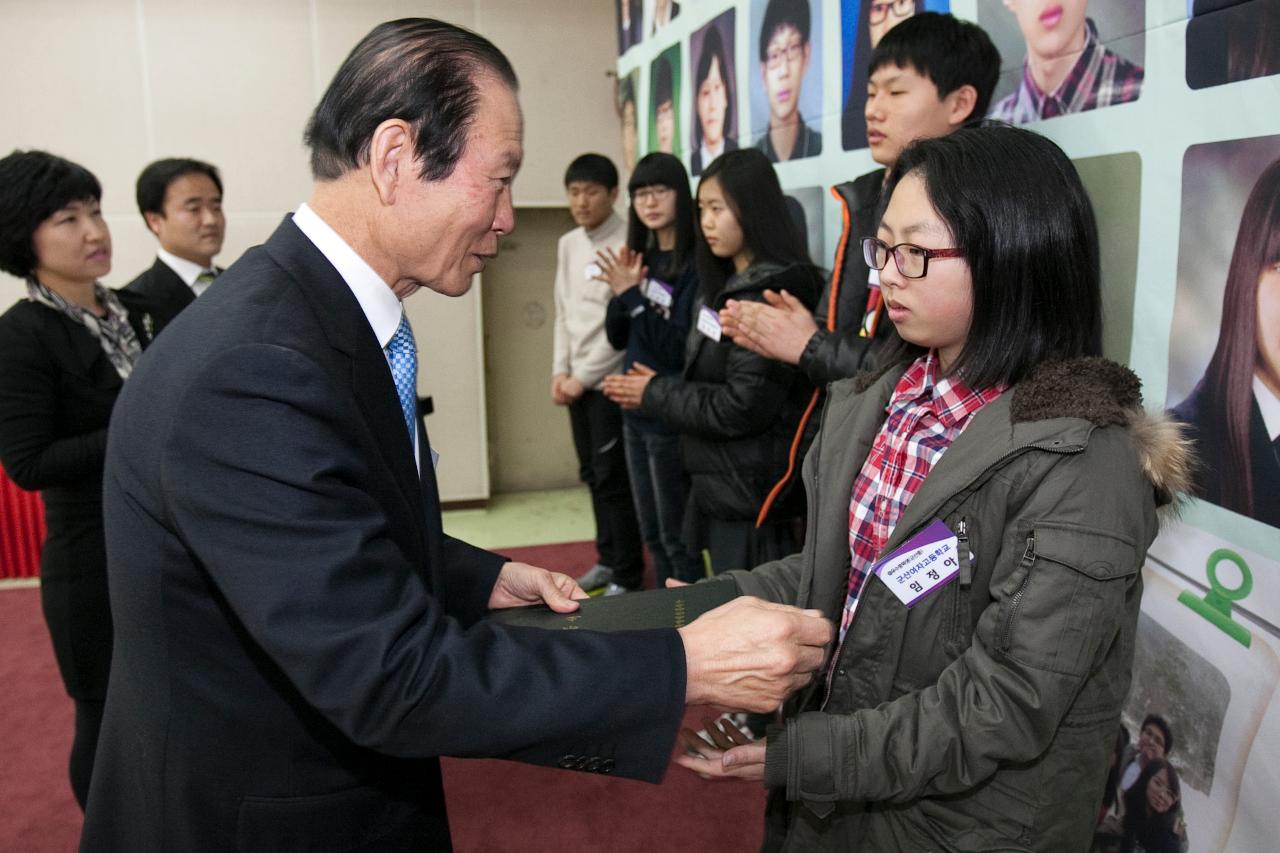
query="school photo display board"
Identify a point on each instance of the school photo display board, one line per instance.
(1174, 125)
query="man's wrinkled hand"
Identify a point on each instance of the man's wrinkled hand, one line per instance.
(520, 584)
(750, 654)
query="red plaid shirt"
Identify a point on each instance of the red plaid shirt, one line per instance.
(925, 416)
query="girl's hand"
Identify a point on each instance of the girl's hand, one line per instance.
(778, 328)
(639, 369)
(722, 751)
(627, 391)
(621, 270)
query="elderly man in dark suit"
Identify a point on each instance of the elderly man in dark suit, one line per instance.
(298, 640)
(181, 201)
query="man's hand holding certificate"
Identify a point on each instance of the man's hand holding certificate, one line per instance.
(751, 654)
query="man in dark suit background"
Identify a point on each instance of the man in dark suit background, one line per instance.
(181, 201)
(297, 639)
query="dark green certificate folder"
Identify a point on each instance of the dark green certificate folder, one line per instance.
(635, 611)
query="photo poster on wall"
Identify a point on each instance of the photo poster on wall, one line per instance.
(862, 24)
(1109, 71)
(1174, 126)
(784, 73)
(664, 102)
(714, 128)
(629, 117)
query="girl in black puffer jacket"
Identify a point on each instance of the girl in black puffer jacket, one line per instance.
(736, 411)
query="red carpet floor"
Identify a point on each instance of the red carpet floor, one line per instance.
(493, 805)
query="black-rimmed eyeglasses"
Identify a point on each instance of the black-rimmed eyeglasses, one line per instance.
(657, 193)
(881, 8)
(912, 260)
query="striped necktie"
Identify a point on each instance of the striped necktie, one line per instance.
(402, 355)
(203, 281)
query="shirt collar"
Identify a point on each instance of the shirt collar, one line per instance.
(381, 307)
(1269, 405)
(1065, 94)
(949, 399)
(799, 150)
(604, 228)
(186, 270)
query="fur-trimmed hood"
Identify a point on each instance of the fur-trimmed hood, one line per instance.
(1109, 394)
(1104, 393)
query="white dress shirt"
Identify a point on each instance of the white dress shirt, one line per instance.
(1269, 405)
(708, 154)
(381, 307)
(186, 270)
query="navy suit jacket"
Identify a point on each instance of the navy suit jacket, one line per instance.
(296, 638)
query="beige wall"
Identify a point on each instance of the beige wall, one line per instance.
(530, 442)
(114, 84)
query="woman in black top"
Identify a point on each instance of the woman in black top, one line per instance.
(654, 283)
(65, 351)
(736, 411)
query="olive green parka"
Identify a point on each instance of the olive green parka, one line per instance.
(981, 718)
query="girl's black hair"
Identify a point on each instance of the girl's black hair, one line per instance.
(662, 170)
(663, 87)
(751, 189)
(1014, 202)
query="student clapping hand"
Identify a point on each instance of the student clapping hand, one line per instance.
(621, 270)
(778, 328)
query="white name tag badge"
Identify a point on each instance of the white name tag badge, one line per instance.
(659, 293)
(709, 323)
(922, 565)
(592, 270)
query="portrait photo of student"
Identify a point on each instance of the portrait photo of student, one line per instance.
(664, 102)
(862, 24)
(661, 13)
(714, 93)
(1064, 56)
(1141, 802)
(629, 118)
(1232, 40)
(630, 24)
(1229, 283)
(786, 95)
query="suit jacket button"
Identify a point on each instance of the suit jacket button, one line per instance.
(606, 766)
(595, 764)
(568, 761)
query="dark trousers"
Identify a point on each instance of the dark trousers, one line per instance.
(661, 491)
(602, 465)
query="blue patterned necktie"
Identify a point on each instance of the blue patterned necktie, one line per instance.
(402, 355)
